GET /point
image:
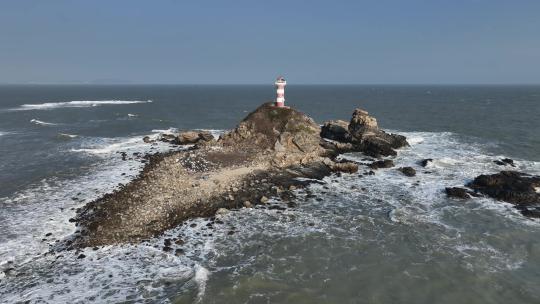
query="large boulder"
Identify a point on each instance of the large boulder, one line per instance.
(336, 130)
(193, 137)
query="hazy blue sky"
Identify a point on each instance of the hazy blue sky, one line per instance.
(402, 41)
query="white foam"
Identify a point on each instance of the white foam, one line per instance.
(201, 277)
(77, 104)
(112, 145)
(166, 131)
(42, 123)
(68, 135)
(132, 115)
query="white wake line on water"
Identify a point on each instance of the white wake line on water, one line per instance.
(110, 148)
(42, 123)
(76, 104)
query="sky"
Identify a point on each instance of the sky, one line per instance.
(253, 41)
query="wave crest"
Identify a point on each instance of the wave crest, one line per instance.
(77, 104)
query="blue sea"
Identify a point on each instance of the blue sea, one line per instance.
(383, 238)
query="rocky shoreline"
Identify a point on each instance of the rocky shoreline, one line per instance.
(272, 152)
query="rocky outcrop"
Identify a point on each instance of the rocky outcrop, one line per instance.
(520, 189)
(511, 186)
(363, 135)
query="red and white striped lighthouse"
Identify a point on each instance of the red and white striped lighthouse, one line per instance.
(280, 90)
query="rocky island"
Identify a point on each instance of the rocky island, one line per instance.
(272, 151)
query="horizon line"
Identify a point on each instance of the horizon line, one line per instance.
(257, 84)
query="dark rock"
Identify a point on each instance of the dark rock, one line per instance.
(147, 139)
(387, 163)
(457, 192)
(533, 212)
(336, 130)
(425, 162)
(81, 256)
(504, 162)
(514, 187)
(408, 171)
(508, 161)
(376, 147)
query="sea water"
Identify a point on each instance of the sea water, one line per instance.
(383, 238)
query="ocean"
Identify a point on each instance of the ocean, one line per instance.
(383, 238)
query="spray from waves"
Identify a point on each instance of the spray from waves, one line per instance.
(77, 104)
(42, 123)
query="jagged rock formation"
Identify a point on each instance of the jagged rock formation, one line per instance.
(362, 135)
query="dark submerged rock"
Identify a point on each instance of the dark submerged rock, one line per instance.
(457, 192)
(387, 163)
(408, 171)
(505, 162)
(425, 162)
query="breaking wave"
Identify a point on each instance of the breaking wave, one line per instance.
(42, 123)
(77, 104)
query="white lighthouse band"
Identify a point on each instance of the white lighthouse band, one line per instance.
(280, 91)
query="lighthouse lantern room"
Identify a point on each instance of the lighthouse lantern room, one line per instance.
(280, 90)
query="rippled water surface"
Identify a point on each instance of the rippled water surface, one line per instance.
(383, 238)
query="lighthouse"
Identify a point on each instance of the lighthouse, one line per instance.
(280, 90)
